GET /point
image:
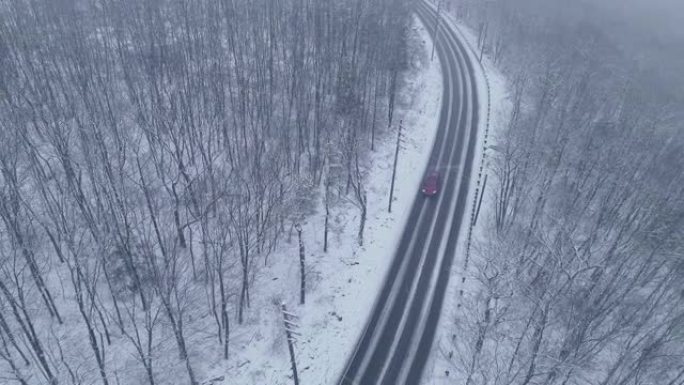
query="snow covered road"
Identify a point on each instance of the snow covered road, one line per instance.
(396, 342)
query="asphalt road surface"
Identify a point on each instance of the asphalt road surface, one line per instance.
(397, 340)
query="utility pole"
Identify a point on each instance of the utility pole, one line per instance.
(302, 272)
(483, 39)
(479, 204)
(290, 325)
(327, 215)
(394, 168)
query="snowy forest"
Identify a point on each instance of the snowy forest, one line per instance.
(154, 154)
(581, 267)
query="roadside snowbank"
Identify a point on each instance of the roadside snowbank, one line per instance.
(343, 283)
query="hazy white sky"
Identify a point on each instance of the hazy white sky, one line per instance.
(651, 31)
(661, 16)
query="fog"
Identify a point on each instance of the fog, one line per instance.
(651, 32)
(661, 17)
(660, 20)
(648, 33)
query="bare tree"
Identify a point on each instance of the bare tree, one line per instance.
(154, 151)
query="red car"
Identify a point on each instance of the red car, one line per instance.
(431, 184)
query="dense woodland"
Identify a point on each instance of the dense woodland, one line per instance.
(581, 268)
(153, 154)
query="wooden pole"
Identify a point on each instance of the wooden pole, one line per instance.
(394, 168)
(302, 272)
(289, 324)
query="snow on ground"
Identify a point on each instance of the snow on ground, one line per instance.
(494, 109)
(344, 283)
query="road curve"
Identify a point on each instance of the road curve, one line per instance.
(395, 345)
